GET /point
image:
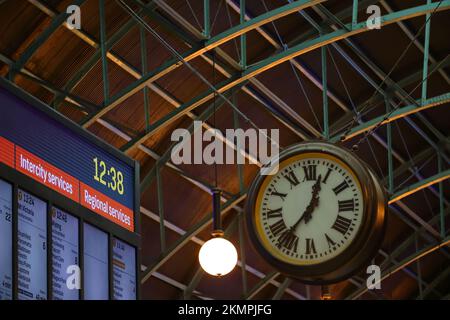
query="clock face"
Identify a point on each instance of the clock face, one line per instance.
(310, 211)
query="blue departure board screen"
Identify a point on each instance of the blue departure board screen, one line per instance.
(124, 270)
(71, 165)
(65, 250)
(5, 241)
(32, 247)
(96, 286)
(66, 198)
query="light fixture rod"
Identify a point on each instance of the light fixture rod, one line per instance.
(217, 221)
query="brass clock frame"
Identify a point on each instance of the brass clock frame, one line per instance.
(364, 245)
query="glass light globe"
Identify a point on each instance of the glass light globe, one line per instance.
(218, 256)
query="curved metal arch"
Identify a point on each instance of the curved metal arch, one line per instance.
(405, 262)
(197, 228)
(441, 277)
(273, 61)
(239, 197)
(395, 115)
(441, 176)
(197, 51)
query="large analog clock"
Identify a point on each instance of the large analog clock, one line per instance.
(321, 217)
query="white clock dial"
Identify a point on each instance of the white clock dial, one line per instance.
(311, 210)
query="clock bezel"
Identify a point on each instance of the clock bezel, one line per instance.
(363, 245)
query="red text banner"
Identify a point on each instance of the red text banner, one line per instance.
(6, 152)
(45, 173)
(63, 183)
(106, 207)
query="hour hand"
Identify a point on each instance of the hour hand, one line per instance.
(314, 204)
(314, 199)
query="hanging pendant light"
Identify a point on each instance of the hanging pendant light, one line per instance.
(217, 256)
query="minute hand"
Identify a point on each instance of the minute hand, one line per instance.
(312, 204)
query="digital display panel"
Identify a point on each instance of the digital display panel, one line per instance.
(65, 253)
(55, 160)
(96, 286)
(5, 241)
(124, 270)
(71, 165)
(32, 247)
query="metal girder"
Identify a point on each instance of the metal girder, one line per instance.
(280, 291)
(91, 62)
(394, 86)
(261, 284)
(439, 65)
(429, 288)
(414, 215)
(196, 52)
(174, 283)
(259, 30)
(200, 242)
(112, 128)
(416, 42)
(398, 91)
(198, 227)
(421, 156)
(271, 62)
(83, 105)
(127, 67)
(441, 176)
(56, 22)
(148, 178)
(392, 256)
(208, 218)
(380, 97)
(405, 262)
(341, 15)
(394, 115)
(293, 127)
(200, 272)
(378, 71)
(172, 13)
(105, 76)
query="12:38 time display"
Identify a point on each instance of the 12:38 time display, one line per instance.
(116, 176)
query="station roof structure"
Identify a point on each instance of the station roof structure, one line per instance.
(137, 70)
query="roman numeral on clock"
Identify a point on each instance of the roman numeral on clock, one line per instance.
(346, 205)
(276, 213)
(342, 224)
(288, 240)
(279, 194)
(278, 227)
(324, 180)
(310, 247)
(330, 241)
(340, 187)
(310, 172)
(292, 178)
